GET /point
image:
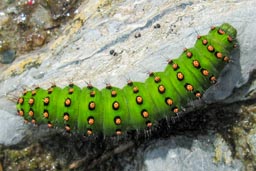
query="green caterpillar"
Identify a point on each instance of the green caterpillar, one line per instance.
(113, 111)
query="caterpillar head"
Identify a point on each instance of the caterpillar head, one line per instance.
(228, 29)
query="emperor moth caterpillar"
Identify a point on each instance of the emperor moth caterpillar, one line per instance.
(137, 105)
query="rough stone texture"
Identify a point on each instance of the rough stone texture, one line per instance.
(183, 153)
(82, 54)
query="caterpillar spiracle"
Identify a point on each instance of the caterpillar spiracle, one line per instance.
(113, 111)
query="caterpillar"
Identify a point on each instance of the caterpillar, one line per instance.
(137, 106)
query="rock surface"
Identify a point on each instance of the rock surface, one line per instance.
(82, 54)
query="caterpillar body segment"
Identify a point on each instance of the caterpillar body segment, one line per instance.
(137, 106)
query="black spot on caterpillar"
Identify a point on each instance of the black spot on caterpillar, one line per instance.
(137, 105)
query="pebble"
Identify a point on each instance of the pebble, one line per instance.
(7, 56)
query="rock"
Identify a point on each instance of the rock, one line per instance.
(3, 19)
(41, 17)
(82, 54)
(12, 128)
(184, 153)
(7, 56)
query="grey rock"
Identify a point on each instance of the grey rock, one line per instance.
(83, 56)
(7, 56)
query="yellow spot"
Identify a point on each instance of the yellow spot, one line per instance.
(161, 89)
(135, 89)
(90, 120)
(70, 90)
(157, 79)
(31, 113)
(21, 112)
(66, 117)
(118, 121)
(33, 121)
(20, 100)
(68, 102)
(205, 72)
(92, 93)
(89, 132)
(169, 101)
(220, 31)
(118, 132)
(189, 54)
(92, 105)
(33, 92)
(210, 48)
(196, 64)
(67, 128)
(180, 76)
(50, 125)
(204, 42)
(115, 105)
(46, 114)
(113, 93)
(175, 110)
(149, 124)
(145, 114)
(46, 100)
(219, 55)
(31, 101)
(189, 87)
(139, 99)
(226, 59)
